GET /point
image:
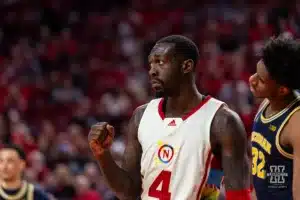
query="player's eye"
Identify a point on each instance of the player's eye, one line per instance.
(151, 62)
(160, 62)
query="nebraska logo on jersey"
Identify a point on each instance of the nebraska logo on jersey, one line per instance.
(165, 153)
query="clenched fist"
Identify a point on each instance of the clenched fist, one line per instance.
(100, 138)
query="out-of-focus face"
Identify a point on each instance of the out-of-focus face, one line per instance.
(11, 165)
(37, 160)
(82, 184)
(91, 170)
(164, 72)
(261, 84)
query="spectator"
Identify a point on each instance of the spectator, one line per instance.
(84, 191)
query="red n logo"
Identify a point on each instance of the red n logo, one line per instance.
(166, 153)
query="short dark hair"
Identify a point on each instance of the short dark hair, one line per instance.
(281, 57)
(183, 46)
(16, 148)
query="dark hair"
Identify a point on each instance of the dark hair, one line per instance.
(281, 57)
(16, 148)
(183, 46)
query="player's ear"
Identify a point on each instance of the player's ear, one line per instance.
(283, 90)
(22, 165)
(187, 66)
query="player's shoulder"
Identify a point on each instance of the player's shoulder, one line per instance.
(138, 114)
(226, 128)
(139, 111)
(294, 117)
(293, 114)
(225, 121)
(225, 115)
(292, 127)
(141, 107)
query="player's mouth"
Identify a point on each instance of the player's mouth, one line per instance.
(156, 83)
(252, 89)
(254, 92)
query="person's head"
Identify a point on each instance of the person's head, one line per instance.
(12, 162)
(172, 62)
(37, 160)
(63, 175)
(83, 184)
(91, 170)
(277, 73)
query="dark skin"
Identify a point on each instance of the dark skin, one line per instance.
(127, 185)
(279, 96)
(175, 79)
(263, 86)
(230, 144)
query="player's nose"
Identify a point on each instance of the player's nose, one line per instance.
(153, 72)
(252, 80)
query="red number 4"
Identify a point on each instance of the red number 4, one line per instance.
(162, 179)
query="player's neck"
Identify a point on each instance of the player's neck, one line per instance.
(183, 102)
(11, 185)
(276, 105)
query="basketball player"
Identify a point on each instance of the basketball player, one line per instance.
(12, 165)
(173, 139)
(276, 136)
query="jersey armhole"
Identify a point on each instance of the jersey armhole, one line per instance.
(277, 140)
(141, 120)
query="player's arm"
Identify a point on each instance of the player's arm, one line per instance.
(229, 135)
(125, 181)
(293, 128)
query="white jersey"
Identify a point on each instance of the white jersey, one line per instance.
(176, 154)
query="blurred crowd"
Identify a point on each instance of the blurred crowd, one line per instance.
(66, 64)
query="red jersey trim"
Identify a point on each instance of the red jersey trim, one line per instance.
(202, 103)
(205, 176)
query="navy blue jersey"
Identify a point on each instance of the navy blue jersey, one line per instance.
(272, 164)
(26, 192)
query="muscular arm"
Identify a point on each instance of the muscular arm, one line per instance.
(293, 129)
(228, 137)
(125, 181)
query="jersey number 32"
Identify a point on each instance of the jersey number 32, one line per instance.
(258, 163)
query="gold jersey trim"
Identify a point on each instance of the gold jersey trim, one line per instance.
(266, 120)
(263, 104)
(277, 140)
(18, 195)
(30, 192)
